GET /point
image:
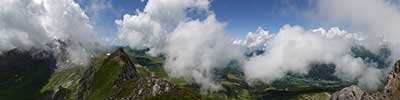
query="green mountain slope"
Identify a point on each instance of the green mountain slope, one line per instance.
(131, 75)
(114, 76)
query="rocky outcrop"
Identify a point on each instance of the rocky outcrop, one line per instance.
(390, 92)
(128, 69)
(61, 94)
(350, 93)
(128, 72)
(126, 81)
(142, 88)
(392, 88)
(84, 83)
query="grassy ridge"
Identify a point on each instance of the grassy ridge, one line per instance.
(104, 79)
(231, 79)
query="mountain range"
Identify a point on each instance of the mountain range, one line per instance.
(128, 74)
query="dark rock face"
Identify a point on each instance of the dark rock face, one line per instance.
(390, 92)
(61, 94)
(138, 87)
(84, 83)
(128, 70)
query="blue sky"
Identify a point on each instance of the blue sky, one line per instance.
(244, 16)
(241, 16)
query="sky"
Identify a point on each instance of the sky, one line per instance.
(241, 16)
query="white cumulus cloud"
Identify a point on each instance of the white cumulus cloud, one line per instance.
(194, 48)
(35, 23)
(255, 40)
(376, 19)
(294, 49)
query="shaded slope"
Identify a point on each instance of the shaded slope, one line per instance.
(24, 73)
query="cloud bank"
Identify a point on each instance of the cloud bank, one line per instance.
(294, 49)
(255, 41)
(377, 19)
(193, 47)
(36, 23)
(148, 28)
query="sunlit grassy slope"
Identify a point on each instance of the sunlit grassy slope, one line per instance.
(230, 78)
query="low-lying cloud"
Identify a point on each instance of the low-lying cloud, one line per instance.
(196, 48)
(36, 23)
(255, 41)
(294, 49)
(193, 47)
(149, 28)
(377, 19)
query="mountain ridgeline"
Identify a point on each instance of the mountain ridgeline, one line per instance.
(128, 74)
(112, 77)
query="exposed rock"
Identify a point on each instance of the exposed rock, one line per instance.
(84, 83)
(61, 94)
(128, 85)
(392, 89)
(142, 88)
(376, 96)
(128, 70)
(390, 92)
(350, 93)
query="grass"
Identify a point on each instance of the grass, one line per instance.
(66, 78)
(106, 73)
(154, 64)
(104, 79)
(312, 96)
(232, 77)
(179, 94)
(244, 95)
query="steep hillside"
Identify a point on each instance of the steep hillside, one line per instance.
(128, 74)
(113, 76)
(24, 72)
